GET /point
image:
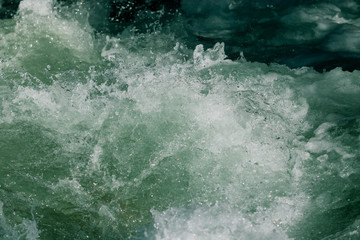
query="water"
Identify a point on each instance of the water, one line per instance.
(138, 135)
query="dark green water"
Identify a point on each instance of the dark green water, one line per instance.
(139, 136)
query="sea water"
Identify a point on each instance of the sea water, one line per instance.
(139, 136)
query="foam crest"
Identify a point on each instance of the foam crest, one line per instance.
(40, 7)
(209, 57)
(41, 28)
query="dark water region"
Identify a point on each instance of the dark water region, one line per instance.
(179, 119)
(320, 34)
(323, 34)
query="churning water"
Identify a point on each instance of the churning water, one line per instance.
(137, 135)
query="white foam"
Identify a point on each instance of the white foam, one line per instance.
(218, 222)
(41, 7)
(209, 57)
(27, 229)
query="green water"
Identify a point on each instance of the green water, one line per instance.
(138, 136)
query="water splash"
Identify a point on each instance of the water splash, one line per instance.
(148, 138)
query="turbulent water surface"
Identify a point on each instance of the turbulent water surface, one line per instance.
(140, 132)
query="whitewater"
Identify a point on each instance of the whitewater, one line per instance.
(143, 135)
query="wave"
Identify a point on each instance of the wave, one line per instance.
(139, 135)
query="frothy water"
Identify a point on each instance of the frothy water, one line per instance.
(139, 136)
